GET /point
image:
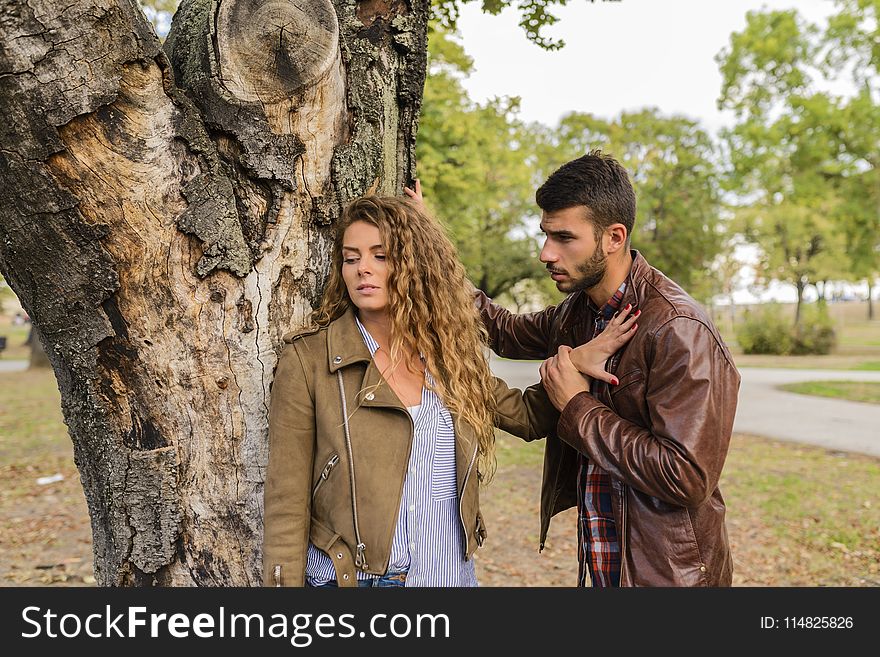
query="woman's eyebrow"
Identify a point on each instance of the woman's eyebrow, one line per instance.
(375, 247)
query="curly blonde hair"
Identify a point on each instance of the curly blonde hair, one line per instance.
(431, 308)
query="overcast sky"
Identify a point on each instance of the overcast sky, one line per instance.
(619, 55)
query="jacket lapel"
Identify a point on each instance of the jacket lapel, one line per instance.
(346, 347)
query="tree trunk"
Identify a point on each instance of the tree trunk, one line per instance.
(801, 286)
(870, 300)
(166, 218)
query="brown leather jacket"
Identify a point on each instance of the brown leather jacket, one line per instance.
(314, 465)
(662, 433)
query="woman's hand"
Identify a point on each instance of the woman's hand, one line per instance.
(416, 194)
(590, 358)
(560, 378)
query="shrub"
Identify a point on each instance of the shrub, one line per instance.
(769, 331)
(815, 333)
(765, 331)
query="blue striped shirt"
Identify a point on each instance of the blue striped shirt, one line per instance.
(428, 539)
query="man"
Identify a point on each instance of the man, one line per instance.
(640, 459)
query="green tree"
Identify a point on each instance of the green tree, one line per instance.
(852, 50)
(474, 161)
(804, 161)
(672, 163)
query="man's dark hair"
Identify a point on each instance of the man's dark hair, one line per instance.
(596, 181)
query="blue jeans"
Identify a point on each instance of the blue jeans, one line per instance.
(386, 581)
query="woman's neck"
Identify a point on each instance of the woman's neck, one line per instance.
(378, 325)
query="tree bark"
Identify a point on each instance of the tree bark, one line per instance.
(800, 286)
(167, 216)
(870, 301)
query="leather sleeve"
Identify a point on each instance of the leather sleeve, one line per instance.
(287, 493)
(527, 414)
(524, 336)
(691, 393)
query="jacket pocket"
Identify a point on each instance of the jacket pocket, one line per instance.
(325, 473)
(629, 379)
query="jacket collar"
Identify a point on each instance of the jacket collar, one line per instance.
(345, 345)
(637, 273)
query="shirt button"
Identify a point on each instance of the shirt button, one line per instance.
(703, 569)
(370, 396)
(412, 507)
(412, 546)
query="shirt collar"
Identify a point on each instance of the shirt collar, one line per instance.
(372, 345)
(611, 306)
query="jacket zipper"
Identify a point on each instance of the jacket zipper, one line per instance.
(461, 497)
(325, 473)
(276, 572)
(359, 559)
(622, 533)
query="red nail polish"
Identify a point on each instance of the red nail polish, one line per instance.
(615, 381)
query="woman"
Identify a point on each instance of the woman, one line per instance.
(382, 415)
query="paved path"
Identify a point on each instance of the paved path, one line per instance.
(13, 365)
(765, 411)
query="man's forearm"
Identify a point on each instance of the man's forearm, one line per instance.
(682, 470)
(523, 336)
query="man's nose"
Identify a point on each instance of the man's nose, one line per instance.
(547, 254)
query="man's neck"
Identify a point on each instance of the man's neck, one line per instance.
(615, 274)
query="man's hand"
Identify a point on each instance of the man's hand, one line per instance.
(590, 358)
(416, 194)
(561, 379)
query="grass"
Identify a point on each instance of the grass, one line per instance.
(16, 349)
(31, 424)
(860, 391)
(45, 535)
(796, 515)
(802, 516)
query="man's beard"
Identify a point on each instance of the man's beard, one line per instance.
(589, 273)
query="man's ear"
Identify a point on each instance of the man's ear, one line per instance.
(615, 238)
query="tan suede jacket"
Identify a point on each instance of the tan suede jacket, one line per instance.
(662, 433)
(314, 467)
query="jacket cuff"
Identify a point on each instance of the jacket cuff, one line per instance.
(569, 420)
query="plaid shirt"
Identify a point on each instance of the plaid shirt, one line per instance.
(598, 548)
